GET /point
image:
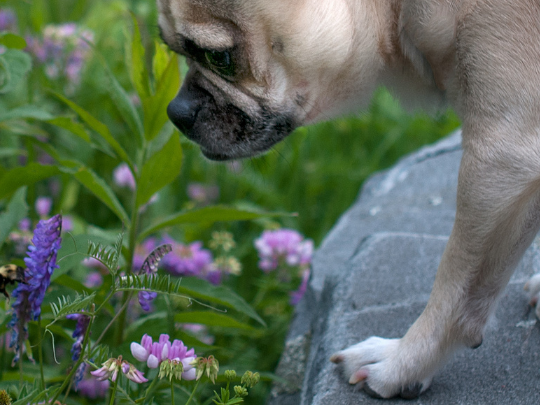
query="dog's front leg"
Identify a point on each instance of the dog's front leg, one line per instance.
(498, 214)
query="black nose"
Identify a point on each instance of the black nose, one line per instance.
(185, 107)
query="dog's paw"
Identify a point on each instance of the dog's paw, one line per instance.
(533, 289)
(382, 368)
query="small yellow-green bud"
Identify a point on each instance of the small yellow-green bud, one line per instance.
(240, 391)
(5, 399)
(230, 375)
(250, 379)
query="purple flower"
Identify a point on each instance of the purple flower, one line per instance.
(297, 295)
(187, 260)
(8, 20)
(80, 330)
(154, 353)
(112, 367)
(123, 177)
(43, 206)
(63, 50)
(93, 280)
(41, 262)
(67, 223)
(283, 247)
(93, 388)
(202, 194)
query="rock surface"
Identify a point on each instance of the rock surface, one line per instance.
(372, 276)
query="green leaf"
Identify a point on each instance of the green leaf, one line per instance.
(202, 289)
(208, 215)
(100, 189)
(189, 287)
(211, 319)
(14, 65)
(69, 282)
(73, 251)
(13, 41)
(97, 126)
(137, 62)
(68, 305)
(72, 126)
(26, 112)
(160, 170)
(16, 210)
(125, 106)
(13, 179)
(167, 86)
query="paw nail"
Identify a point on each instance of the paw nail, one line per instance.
(336, 358)
(359, 376)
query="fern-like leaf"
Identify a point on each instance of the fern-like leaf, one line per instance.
(34, 394)
(68, 305)
(151, 263)
(107, 255)
(100, 355)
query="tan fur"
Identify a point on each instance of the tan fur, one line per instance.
(315, 59)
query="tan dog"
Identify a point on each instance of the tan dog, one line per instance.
(260, 68)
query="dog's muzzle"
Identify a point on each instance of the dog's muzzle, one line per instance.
(185, 107)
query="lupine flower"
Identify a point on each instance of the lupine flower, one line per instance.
(8, 20)
(283, 247)
(154, 353)
(43, 206)
(187, 260)
(123, 177)
(41, 262)
(297, 295)
(111, 368)
(202, 194)
(80, 330)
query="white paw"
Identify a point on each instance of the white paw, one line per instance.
(384, 368)
(533, 289)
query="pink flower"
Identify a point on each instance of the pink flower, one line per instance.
(154, 353)
(43, 206)
(123, 177)
(297, 295)
(283, 247)
(112, 367)
(202, 194)
(187, 260)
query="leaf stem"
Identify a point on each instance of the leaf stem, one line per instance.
(40, 351)
(193, 392)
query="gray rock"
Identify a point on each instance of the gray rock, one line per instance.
(372, 276)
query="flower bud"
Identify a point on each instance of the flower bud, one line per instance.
(230, 375)
(240, 391)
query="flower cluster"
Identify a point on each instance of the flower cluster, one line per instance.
(112, 367)
(154, 353)
(283, 247)
(8, 20)
(41, 262)
(63, 51)
(123, 177)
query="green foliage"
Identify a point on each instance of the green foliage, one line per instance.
(64, 140)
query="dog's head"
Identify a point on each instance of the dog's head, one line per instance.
(260, 68)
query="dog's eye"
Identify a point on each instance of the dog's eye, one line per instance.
(221, 61)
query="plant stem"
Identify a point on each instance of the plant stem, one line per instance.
(193, 393)
(78, 363)
(113, 393)
(129, 267)
(172, 393)
(40, 351)
(110, 323)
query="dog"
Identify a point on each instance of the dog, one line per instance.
(258, 69)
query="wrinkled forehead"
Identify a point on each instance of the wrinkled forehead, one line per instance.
(206, 20)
